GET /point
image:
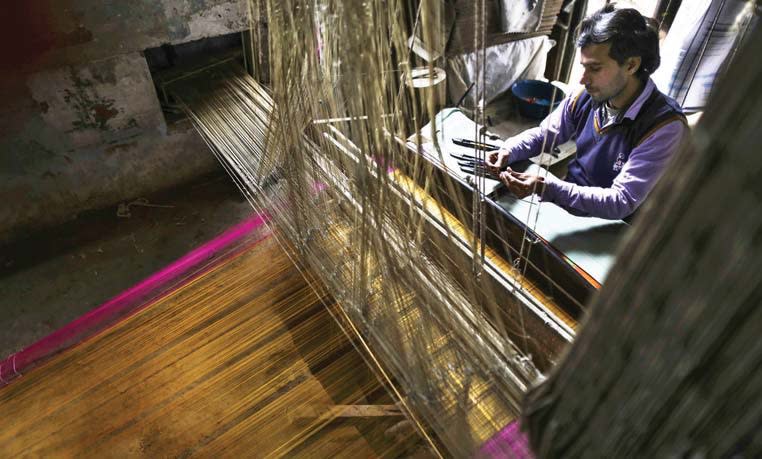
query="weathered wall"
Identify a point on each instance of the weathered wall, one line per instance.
(80, 123)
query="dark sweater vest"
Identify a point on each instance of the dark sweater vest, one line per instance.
(601, 153)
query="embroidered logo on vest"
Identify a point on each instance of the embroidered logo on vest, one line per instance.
(619, 162)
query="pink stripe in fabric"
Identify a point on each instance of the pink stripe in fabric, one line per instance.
(508, 443)
(129, 301)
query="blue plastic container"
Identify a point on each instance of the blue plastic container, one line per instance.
(534, 97)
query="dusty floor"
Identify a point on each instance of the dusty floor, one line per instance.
(55, 276)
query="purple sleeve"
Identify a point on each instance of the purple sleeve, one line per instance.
(557, 127)
(637, 178)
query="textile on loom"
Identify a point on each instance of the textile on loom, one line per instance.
(456, 350)
(441, 380)
(148, 290)
(323, 151)
(245, 359)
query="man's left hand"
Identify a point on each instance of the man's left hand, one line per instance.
(520, 184)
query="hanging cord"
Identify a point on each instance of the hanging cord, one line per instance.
(535, 197)
(481, 138)
(479, 187)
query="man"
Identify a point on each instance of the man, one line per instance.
(626, 131)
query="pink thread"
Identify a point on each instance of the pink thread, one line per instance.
(317, 187)
(131, 300)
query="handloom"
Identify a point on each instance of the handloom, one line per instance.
(453, 331)
(323, 151)
(370, 220)
(352, 207)
(446, 357)
(243, 360)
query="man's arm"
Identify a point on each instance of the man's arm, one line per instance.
(557, 127)
(639, 175)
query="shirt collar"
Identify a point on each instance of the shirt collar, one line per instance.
(634, 108)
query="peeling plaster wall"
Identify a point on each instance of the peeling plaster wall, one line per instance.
(80, 123)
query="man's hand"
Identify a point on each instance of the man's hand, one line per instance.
(520, 184)
(496, 160)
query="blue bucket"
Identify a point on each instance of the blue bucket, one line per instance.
(534, 97)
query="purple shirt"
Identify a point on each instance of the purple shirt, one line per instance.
(631, 186)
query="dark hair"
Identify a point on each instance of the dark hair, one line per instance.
(630, 35)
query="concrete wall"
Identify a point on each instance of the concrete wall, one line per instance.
(80, 123)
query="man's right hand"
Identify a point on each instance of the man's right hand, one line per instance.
(496, 160)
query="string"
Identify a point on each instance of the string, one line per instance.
(363, 214)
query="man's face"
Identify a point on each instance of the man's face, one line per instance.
(603, 77)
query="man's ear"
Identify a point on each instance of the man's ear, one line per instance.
(632, 64)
